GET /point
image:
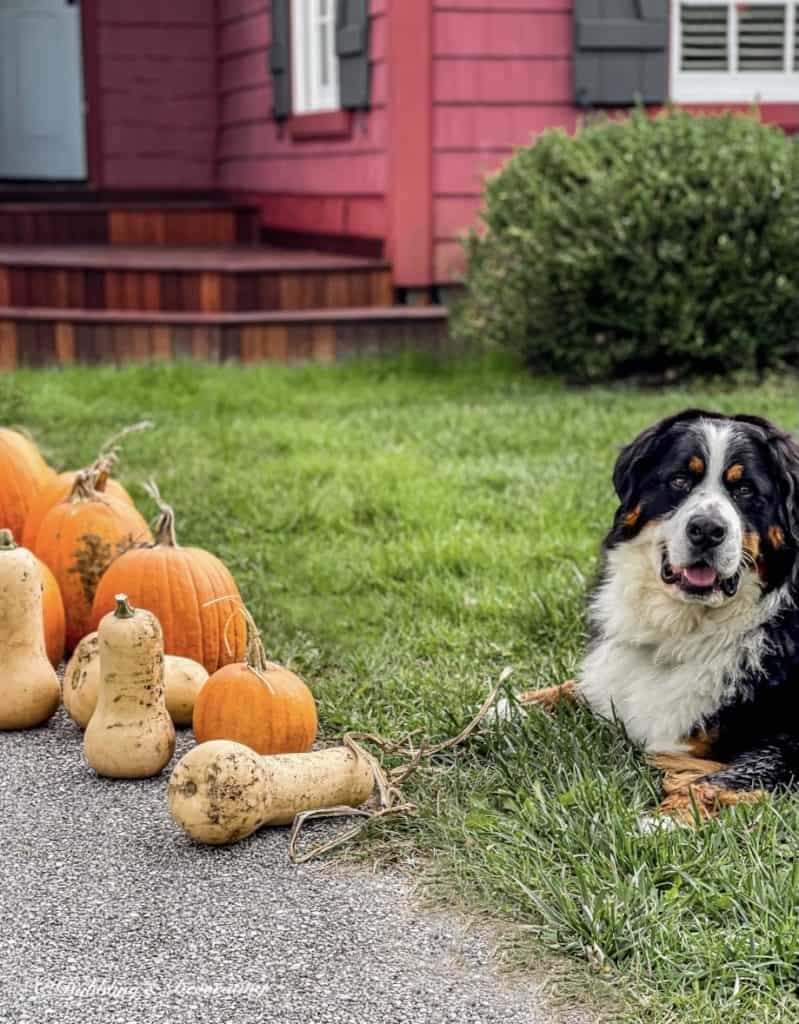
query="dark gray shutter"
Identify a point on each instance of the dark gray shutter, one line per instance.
(352, 48)
(620, 52)
(280, 59)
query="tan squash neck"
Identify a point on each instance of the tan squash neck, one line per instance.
(123, 609)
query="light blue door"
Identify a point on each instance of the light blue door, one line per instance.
(41, 91)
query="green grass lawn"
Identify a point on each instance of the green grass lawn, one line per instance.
(402, 531)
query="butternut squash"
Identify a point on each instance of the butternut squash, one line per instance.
(183, 680)
(222, 791)
(130, 735)
(29, 691)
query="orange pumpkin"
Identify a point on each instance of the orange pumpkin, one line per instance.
(60, 487)
(257, 703)
(77, 540)
(54, 619)
(58, 490)
(181, 587)
(23, 473)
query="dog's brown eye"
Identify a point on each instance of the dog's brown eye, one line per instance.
(743, 491)
(680, 483)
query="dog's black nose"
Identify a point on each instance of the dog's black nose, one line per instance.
(706, 531)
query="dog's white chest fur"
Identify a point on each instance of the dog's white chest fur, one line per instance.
(663, 665)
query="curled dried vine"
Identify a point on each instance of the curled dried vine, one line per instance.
(391, 800)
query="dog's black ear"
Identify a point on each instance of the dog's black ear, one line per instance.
(636, 458)
(785, 453)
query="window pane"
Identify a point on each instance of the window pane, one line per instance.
(761, 38)
(704, 38)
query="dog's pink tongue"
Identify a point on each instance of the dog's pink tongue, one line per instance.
(699, 575)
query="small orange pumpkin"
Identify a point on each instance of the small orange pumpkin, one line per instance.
(60, 487)
(58, 490)
(23, 473)
(55, 626)
(77, 540)
(181, 587)
(257, 703)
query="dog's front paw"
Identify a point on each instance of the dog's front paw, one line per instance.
(703, 800)
(549, 698)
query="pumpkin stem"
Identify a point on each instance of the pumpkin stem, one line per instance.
(254, 655)
(7, 540)
(123, 609)
(164, 526)
(83, 488)
(111, 445)
(101, 470)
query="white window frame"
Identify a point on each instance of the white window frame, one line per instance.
(313, 21)
(734, 86)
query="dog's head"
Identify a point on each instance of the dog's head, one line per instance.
(716, 496)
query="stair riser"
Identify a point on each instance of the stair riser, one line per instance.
(127, 227)
(178, 291)
(63, 343)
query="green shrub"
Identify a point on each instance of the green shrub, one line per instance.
(660, 246)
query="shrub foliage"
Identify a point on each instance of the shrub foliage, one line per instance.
(663, 246)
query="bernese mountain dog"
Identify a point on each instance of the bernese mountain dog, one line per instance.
(694, 620)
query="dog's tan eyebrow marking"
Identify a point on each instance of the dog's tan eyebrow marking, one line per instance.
(751, 543)
(696, 465)
(776, 536)
(632, 517)
(734, 473)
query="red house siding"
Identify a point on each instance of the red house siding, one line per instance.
(311, 185)
(155, 71)
(501, 73)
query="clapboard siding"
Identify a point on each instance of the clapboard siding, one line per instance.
(487, 126)
(501, 75)
(156, 71)
(500, 34)
(333, 186)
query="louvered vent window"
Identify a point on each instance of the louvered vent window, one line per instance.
(796, 43)
(761, 38)
(704, 38)
(740, 52)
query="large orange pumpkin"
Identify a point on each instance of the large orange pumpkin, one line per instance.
(55, 626)
(23, 473)
(181, 587)
(257, 703)
(77, 540)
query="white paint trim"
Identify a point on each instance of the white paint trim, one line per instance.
(733, 86)
(313, 49)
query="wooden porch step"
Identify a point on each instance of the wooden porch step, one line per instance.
(61, 337)
(210, 280)
(125, 222)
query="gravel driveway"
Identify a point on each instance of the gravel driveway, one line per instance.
(110, 914)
